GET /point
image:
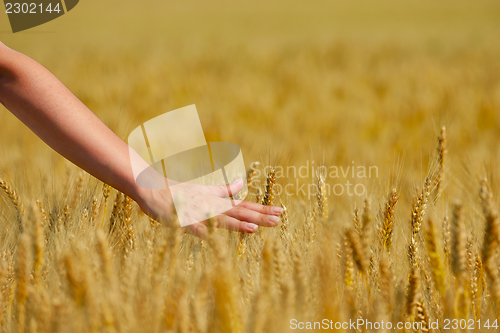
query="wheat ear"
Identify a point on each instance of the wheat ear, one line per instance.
(388, 222)
(437, 265)
(441, 150)
(14, 198)
(322, 200)
(270, 193)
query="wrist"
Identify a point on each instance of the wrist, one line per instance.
(157, 204)
(140, 195)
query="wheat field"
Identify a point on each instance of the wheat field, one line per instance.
(411, 89)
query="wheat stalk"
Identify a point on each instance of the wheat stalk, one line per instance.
(446, 237)
(441, 150)
(242, 244)
(105, 254)
(458, 242)
(422, 316)
(16, 201)
(22, 279)
(106, 189)
(386, 281)
(413, 284)
(435, 258)
(39, 242)
(322, 199)
(117, 212)
(356, 219)
(349, 265)
(284, 227)
(77, 193)
(490, 213)
(357, 250)
(388, 222)
(253, 181)
(366, 220)
(269, 194)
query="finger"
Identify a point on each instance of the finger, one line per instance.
(269, 210)
(232, 224)
(197, 229)
(226, 190)
(248, 215)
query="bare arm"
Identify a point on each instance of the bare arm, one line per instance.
(52, 112)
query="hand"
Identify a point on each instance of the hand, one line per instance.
(198, 200)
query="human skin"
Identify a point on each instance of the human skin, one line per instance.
(39, 100)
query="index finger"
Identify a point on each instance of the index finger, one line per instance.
(269, 210)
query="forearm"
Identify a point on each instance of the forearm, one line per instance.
(51, 111)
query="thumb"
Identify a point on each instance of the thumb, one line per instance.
(236, 186)
(225, 191)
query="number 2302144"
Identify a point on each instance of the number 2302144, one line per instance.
(469, 324)
(31, 8)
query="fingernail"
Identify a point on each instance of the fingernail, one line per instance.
(252, 227)
(237, 180)
(276, 210)
(273, 219)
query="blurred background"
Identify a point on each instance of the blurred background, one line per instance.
(288, 81)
